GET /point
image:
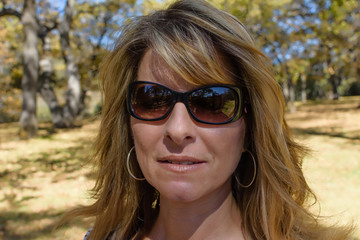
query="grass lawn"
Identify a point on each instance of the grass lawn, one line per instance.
(43, 177)
(332, 130)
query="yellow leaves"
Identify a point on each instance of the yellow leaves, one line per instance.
(11, 104)
(151, 5)
(8, 57)
(3, 49)
(331, 70)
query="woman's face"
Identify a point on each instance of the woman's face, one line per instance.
(183, 159)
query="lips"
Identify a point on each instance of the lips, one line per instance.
(181, 163)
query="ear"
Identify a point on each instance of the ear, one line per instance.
(247, 107)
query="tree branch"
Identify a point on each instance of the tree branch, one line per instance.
(10, 12)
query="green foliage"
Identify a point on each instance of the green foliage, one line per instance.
(16, 75)
(9, 57)
(316, 39)
(92, 25)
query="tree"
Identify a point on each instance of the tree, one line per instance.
(312, 44)
(73, 95)
(32, 30)
(29, 83)
(28, 120)
(45, 79)
(107, 12)
(8, 62)
(339, 38)
(94, 28)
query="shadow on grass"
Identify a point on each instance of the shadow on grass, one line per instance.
(15, 225)
(61, 161)
(46, 130)
(355, 100)
(355, 135)
(54, 159)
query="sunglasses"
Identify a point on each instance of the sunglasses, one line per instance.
(214, 104)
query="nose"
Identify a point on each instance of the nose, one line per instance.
(180, 128)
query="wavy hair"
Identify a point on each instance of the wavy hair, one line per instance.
(191, 36)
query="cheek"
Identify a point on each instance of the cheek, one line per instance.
(228, 142)
(146, 137)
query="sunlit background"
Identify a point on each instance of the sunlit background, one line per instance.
(45, 143)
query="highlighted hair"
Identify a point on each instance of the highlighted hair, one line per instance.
(194, 38)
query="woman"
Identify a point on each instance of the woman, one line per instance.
(193, 143)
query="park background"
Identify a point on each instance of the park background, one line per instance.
(50, 52)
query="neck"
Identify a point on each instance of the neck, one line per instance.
(213, 217)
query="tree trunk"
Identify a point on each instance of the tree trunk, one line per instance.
(334, 80)
(45, 89)
(284, 73)
(292, 95)
(47, 93)
(73, 95)
(28, 120)
(286, 90)
(303, 87)
(290, 84)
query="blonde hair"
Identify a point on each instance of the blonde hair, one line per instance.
(191, 36)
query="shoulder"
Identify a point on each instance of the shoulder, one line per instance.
(87, 234)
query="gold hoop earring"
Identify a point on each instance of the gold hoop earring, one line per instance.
(128, 166)
(253, 178)
(156, 200)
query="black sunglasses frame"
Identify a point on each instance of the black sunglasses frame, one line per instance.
(183, 97)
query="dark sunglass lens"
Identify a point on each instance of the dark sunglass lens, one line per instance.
(214, 104)
(150, 101)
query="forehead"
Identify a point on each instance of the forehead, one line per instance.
(154, 68)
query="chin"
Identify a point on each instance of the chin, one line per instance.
(180, 191)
